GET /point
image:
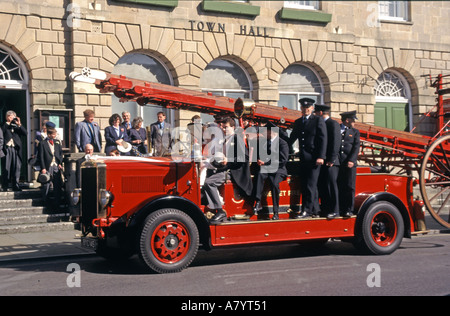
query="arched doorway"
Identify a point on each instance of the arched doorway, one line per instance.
(148, 68)
(14, 95)
(393, 101)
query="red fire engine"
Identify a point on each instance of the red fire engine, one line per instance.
(152, 205)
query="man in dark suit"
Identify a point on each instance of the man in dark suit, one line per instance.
(88, 132)
(12, 149)
(328, 188)
(161, 136)
(272, 158)
(311, 133)
(348, 156)
(234, 159)
(126, 123)
(50, 158)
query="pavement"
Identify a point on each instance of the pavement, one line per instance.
(59, 244)
(39, 245)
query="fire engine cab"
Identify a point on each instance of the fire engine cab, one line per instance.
(151, 206)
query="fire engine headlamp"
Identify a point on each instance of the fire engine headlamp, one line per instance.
(76, 196)
(105, 198)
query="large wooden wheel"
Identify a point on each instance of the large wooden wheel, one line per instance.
(435, 180)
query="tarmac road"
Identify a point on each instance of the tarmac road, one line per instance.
(419, 267)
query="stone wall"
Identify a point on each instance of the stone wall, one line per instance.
(348, 53)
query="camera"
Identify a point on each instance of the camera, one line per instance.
(14, 122)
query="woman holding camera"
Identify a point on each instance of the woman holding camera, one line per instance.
(12, 148)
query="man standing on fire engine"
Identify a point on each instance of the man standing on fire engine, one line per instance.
(228, 156)
(328, 188)
(348, 156)
(271, 160)
(311, 132)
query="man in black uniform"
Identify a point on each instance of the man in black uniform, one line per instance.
(311, 132)
(328, 187)
(272, 160)
(348, 156)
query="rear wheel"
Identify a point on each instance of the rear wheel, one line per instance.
(169, 241)
(382, 229)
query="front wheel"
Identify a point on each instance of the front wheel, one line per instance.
(169, 241)
(381, 229)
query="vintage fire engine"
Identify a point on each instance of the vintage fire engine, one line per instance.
(152, 205)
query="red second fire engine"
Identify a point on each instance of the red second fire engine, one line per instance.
(152, 205)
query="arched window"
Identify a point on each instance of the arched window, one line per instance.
(296, 82)
(9, 67)
(393, 101)
(143, 67)
(225, 78)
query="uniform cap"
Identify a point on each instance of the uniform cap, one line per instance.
(350, 114)
(322, 107)
(306, 102)
(50, 124)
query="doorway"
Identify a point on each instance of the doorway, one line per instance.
(392, 115)
(16, 100)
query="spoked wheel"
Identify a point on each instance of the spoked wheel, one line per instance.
(169, 241)
(435, 180)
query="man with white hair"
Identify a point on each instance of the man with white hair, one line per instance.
(12, 148)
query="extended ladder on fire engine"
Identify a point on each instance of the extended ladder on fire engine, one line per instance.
(388, 149)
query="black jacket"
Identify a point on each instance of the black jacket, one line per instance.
(15, 133)
(238, 164)
(45, 154)
(333, 142)
(312, 138)
(281, 149)
(350, 143)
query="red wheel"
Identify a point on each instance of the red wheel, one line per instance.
(384, 229)
(381, 229)
(435, 180)
(169, 241)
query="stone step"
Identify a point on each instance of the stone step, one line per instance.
(40, 227)
(20, 195)
(24, 211)
(34, 219)
(5, 204)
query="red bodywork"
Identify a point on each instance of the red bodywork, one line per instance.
(135, 182)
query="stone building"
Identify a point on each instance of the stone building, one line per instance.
(369, 56)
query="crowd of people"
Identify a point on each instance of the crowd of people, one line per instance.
(328, 154)
(327, 151)
(123, 136)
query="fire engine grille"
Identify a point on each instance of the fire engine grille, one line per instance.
(142, 184)
(92, 180)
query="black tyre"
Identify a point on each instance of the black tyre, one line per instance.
(169, 241)
(381, 230)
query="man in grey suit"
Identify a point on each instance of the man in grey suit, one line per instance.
(88, 132)
(160, 133)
